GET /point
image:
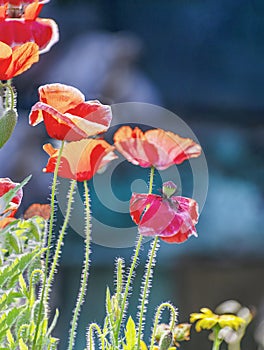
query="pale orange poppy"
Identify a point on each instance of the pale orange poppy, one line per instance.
(14, 61)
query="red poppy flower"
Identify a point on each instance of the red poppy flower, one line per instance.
(6, 185)
(19, 25)
(157, 147)
(66, 114)
(17, 60)
(172, 218)
(81, 159)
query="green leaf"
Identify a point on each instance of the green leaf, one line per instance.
(10, 338)
(11, 273)
(7, 124)
(8, 298)
(130, 335)
(22, 345)
(13, 241)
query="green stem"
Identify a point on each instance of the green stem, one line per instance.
(60, 240)
(85, 270)
(217, 341)
(93, 326)
(157, 317)
(51, 222)
(147, 280)
(12, 94)
(133, 265)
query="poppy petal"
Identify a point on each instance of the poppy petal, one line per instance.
(156, 147)
(61, 97)
(80, 160)
(5, 59)
(17, 31)
(23, 57)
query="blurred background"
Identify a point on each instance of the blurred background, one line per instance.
(204, 61)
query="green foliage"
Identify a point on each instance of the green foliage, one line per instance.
(21, 276)
(130, 335)
(7, 124)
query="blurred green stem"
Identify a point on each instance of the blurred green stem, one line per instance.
(217, 341)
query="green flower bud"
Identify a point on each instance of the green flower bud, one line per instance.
(166, 341)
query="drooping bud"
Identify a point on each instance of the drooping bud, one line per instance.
(166, 341)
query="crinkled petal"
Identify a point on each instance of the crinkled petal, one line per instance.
(133, 146)
(61, 97)
(23, 57)
(138, 204)
(65, 126)
(80, 160)
(156, 147)
(17, 31)
(5, 59)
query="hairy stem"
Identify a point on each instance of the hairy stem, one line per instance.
(85, 270)
(146, 286)
(51, 222)
(132, 266)
(60, 240)
(173, 315)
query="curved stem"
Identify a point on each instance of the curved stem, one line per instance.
(85, 270)
(93, 326)
(60, 240)
(146, 288)
(133, 264)
(51, 222)
(157, 317)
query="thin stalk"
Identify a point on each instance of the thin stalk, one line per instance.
(51, 222)
(85, 270)
(90, 342)
(217, 341)
(60, 240)
(12, 94)
(146, 288)
(133, 264)
(173, 315)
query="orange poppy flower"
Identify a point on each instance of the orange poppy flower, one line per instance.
(42, 210)
(6, 185)
(17, 60)
(20, 24)
(81, 159)
(66, 114)
(156, 147)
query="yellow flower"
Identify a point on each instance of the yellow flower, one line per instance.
(207, 320)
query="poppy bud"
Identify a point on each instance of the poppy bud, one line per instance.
(7, 124)
(166, 340)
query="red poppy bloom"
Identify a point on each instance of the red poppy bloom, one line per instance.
(157, 147)
(17, 60)
(172, 218)
(66, 114)
(6, 185)
(21, 24)
(81, 159)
